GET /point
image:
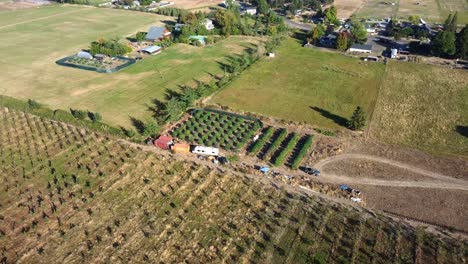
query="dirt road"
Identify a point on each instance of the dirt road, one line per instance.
(447, 181)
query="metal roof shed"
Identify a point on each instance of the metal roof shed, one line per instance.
(152, 49)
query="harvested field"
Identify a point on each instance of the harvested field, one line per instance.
(85, 197)
(195, 4)
(424, 107)
(346, 8)
(434, 206)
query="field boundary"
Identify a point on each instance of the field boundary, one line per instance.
(374, 106)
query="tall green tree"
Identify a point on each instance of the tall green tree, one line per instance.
(173, 108)
(331, 15)
(262, 7)
(342, 41)
(358, 119)
(414, 19)
(443, 44)
(462, 43)
(450, 23)
(358, 32)
(317, 33)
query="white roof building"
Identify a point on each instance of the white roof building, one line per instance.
(208, 23)
(209, 151)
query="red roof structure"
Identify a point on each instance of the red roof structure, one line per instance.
(163, 142)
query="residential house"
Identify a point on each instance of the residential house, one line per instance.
(361, 48)
(328, 41)
(157, 34)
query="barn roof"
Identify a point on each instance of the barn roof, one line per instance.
(151, 49)
(155, 33)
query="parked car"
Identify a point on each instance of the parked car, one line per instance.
(310, 171)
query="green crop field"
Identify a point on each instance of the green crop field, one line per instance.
(423, 106)
(305, 85)
(429, 10)
(33, 39)
(71, 195)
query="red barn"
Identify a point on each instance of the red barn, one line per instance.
(163, 142)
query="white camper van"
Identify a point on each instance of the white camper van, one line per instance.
(209, 151)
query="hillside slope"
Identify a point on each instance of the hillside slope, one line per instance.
(70, 195)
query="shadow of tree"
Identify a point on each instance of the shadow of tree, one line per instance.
(138, 124)
(336, 118)
(462, 130)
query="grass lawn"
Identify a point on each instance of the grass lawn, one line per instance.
(429, 10)
(423, 106)
(33, 39)
(305, 85)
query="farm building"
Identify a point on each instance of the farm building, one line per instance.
(208, 23)
(163, 142)
(201, 150)
(152, 50)
(180, 148)
(157, 34)
(361, 48)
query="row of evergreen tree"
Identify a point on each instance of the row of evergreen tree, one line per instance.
(449, 43)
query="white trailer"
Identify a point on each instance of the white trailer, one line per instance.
(208, 151)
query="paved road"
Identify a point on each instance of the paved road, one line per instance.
(293, 24)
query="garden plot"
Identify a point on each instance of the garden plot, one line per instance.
(280, 147)
(216, 129)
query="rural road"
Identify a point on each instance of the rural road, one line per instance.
(293, 24)
(448, 182)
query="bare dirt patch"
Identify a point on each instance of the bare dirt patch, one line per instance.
(435, 206)
(190, 4)
(347, 7)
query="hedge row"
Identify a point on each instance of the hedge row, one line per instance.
(305, 147)
(277, 142)
(57, 115)
(279, 160)
(258, 145)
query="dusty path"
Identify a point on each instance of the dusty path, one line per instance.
(448, 182)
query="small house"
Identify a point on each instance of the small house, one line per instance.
(361, 48)
(208, 23)
(157, 34)
(181, 148)
(151, 50)
(209, 151)
(328, 41)
(163, 142)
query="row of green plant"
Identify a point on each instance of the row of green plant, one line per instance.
(78, 118)
(281, 157)
(260, 143)
(277, 142)
(215, 129)
(86, 62)
(302, 152)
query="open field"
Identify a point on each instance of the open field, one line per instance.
(424, 107)
(305, 85)
(85, 197)
(429, 10)
(58, 31)
(195, 4)
(346, 8)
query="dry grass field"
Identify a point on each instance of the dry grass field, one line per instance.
(346, 8)
(71, 195)
(429, 10)
(195, 4)
(424, 107)
(58, 31)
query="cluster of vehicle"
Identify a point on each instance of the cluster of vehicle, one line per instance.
(310, 171)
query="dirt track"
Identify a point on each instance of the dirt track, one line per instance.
(448, 182)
